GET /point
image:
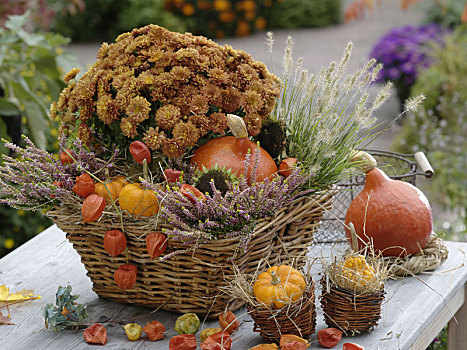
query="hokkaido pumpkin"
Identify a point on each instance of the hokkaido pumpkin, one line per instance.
(231, 151)
(279, 286)
(138, 201)
(110, 190)
(394, 215)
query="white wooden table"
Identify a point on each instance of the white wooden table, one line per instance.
(413, 313)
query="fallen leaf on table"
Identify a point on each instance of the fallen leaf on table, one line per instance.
(7, 297)
(5, 319)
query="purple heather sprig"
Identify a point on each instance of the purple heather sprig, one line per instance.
(233, 214)
(26, 180)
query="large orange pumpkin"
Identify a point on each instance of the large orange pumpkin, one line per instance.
(231, 151)
(394, 215)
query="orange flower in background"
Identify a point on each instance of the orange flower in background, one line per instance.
(227, 17)
(260, 23)
(249, 5)
(464, 14)
(222, 5)
(188, 10)
(250, 15)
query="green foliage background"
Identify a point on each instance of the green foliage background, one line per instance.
(31, 70)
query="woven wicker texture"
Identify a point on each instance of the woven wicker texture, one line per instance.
(191, 281)
(350, 312)
(430, 258)
(298, 319)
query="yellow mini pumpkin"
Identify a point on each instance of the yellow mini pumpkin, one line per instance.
(138, 201)
(357, 270)
(279, 286)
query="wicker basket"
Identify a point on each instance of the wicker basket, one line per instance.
(351, 312)
(189, 282)
(298, 319)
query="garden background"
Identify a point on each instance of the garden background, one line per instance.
(423, 45)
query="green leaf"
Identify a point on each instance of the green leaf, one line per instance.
(3, 135)
(30, 39)
(16, 22)
(67, 61)
(7, 108)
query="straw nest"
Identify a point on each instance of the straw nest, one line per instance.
(353, 303)
(298, 318)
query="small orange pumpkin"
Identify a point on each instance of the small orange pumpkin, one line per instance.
(125, 276)
(156, 243)
(114, 242)
(92, 207)
(84, 185)
(110, 190)
(138, 201)
(279, 286)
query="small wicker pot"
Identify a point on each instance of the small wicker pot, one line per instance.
(298, 318)
(351, 312)
(188, 282)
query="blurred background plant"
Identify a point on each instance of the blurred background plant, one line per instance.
(404, 52)
(440, 127)
(303, 13)
(31, 70)
(446, 13)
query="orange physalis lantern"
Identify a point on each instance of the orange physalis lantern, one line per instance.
(114, 242)
(154, 330)
(84, 185)
(125, 276)
(156, 243)
(92, 207)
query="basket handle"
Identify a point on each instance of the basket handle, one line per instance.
(424, 164)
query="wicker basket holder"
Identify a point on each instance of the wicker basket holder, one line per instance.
(298, 319)
(351, 312)
(191, 281)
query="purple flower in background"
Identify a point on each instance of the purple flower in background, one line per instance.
(405, 51)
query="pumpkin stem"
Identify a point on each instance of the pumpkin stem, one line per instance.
(237, 126)
(364, 161)
(354, 240)
(275, 280)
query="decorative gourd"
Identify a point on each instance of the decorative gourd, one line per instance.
(231, 151)
(394, 215)
(357, 270)
(110, 190)
(92, 207)
(156, 243)
(84, 185)
(279, 286)
(114, 242)
(125, 276)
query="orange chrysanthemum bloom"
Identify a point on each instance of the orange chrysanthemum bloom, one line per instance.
(166, 89)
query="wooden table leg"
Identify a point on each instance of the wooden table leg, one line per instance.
(457, 331)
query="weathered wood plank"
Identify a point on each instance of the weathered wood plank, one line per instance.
(457, 332)
(48, 261)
